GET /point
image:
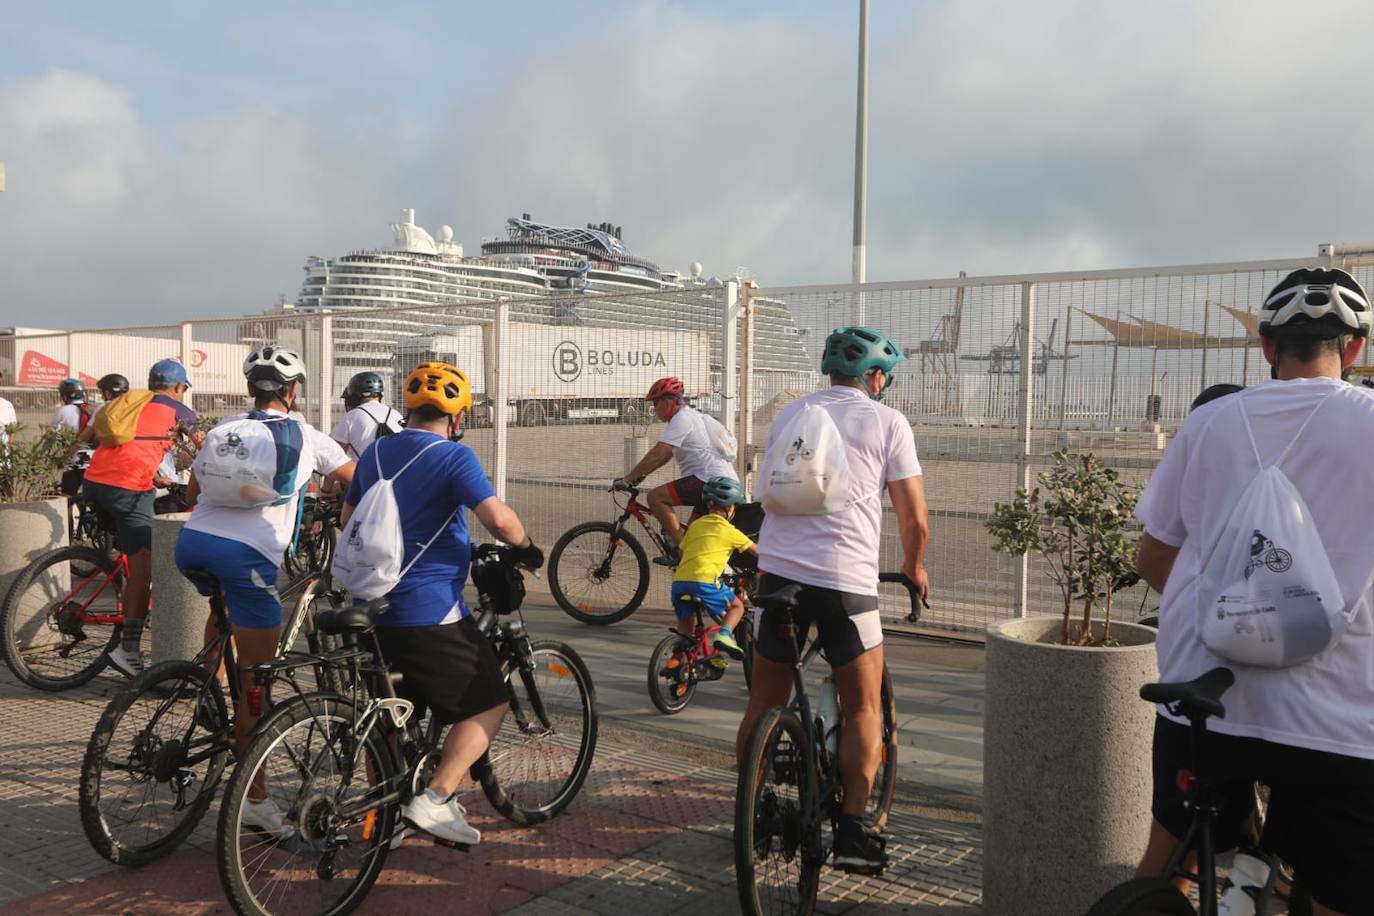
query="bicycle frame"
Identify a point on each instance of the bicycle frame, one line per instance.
(640, 513)
(83, 616)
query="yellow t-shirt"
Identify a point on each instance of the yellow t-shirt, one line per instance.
(707, 547)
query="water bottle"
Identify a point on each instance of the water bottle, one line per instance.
(1249, 874)
(828, 712)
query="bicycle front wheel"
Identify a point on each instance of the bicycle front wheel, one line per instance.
(596, 576)
(1143, 897)
(778, 850)
(153, 763)
(539, 759)
(306, 760)
(60, 617)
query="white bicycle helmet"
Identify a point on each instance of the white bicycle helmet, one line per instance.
(1314, 293)
(272, 368)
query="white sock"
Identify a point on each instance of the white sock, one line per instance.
(436, 799)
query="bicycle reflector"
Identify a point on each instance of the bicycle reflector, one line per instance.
(1185, 780)
(255, 699)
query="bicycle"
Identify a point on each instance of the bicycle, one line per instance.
(341, 765)
(599, 572)
(316, 535)
(1197, 700)
(161, 746)
(789, 782)
(671, 690)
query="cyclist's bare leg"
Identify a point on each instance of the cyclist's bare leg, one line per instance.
(661, 505)
(253, 646)
(772, 686)
(1158, 851)
(734, 615)
(860, 685)
(464, 745)
(138, 589)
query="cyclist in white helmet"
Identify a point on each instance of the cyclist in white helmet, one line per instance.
(1305, 730)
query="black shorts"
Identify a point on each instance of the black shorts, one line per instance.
(132, 511)
(1321, 807)
(848, 624)
(450, 668)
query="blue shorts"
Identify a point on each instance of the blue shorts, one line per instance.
(715, 596)
(248, 579)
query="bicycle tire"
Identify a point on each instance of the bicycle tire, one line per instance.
(885, 780)
(669, 696)
(518, 749)
(21, 626)
(559, 582)
(1143, 897)
(764, 819)
(175, 690)
(301, 872)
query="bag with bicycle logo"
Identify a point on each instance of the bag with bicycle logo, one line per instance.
(805, 470)
(368, 561)
(1267, 595)
(250, 462)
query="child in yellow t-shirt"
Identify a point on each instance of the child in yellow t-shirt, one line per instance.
(706, 550)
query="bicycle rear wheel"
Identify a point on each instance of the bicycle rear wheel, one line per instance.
(597, 577)
(153, 763)
(539, 759)
(49, 641)
(672, 692)
(1143, 897)
(304, 757)
(778, 851)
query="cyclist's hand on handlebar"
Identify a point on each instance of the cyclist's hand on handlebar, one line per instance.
(918, 577)
(530, 557)
(620, 484)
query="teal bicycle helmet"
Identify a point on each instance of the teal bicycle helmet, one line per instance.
(722, 491)
(855, 350)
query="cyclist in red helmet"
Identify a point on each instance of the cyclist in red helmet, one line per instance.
(699, 444)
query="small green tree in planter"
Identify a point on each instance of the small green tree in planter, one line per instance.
(1078, 521)
(30, 468)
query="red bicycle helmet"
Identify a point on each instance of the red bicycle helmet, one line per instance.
(664, 388)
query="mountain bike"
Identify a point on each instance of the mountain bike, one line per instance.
(599, 572)
(160, 748)
(671, 686)
(1197, 700)
(789, 782)
(342, 764)
(312, 546)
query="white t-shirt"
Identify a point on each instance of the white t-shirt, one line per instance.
(356, 430)
(693, 450)
(840, 551)
(1328, 702)
(7, 417)
(67, 416)
(268, 529)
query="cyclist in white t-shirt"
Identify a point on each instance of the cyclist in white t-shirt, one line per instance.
(835, 559)
(687, 439)
(368, 416)
(1307, 730)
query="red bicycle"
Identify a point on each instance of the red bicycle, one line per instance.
(599, 572)
(679, 663)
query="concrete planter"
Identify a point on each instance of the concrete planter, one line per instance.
(27, 531)
(635, 449)
(177, 624)
(1066, 766)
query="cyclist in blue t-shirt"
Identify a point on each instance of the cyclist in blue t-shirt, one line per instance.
(429, 635)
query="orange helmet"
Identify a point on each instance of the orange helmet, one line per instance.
(665, 388)
(438, 385)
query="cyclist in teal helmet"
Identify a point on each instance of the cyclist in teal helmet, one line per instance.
(861, 353)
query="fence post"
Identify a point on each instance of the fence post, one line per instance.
(1025, 408)
(326, 369)
(186, 345)
(745, 460)
(499, 396)
(729, 356)
(71, 355)
(1064, 375)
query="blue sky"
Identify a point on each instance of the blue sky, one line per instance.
(171, 160)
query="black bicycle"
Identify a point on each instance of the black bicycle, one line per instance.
(1197, 700)
(789, 787)
(341, 765)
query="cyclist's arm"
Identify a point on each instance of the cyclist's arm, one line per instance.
(654, 459)
(343, 473)
(192, 490)
(1154, 560)
(913, 525)
(87, 434)
(501, 520)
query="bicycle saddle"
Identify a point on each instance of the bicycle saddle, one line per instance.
(1200, 696)
(355, 619)
(784, 599)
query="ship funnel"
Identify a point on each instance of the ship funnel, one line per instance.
(408, 216)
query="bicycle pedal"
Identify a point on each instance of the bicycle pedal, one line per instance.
(451, 844)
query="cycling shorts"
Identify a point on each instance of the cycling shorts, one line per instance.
(451, 668)
(247, 578)
(848, 624)
(686, 491)
(131, 510)
(713, 595)
(1321, 807)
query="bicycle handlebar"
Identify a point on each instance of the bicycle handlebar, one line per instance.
(918, 601)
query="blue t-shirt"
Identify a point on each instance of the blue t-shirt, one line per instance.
(446, 477)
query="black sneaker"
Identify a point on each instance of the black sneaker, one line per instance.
(671, 558)
(858, 850)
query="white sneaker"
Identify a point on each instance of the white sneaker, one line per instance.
(267, 817)
(128, 664)
(444, 820)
